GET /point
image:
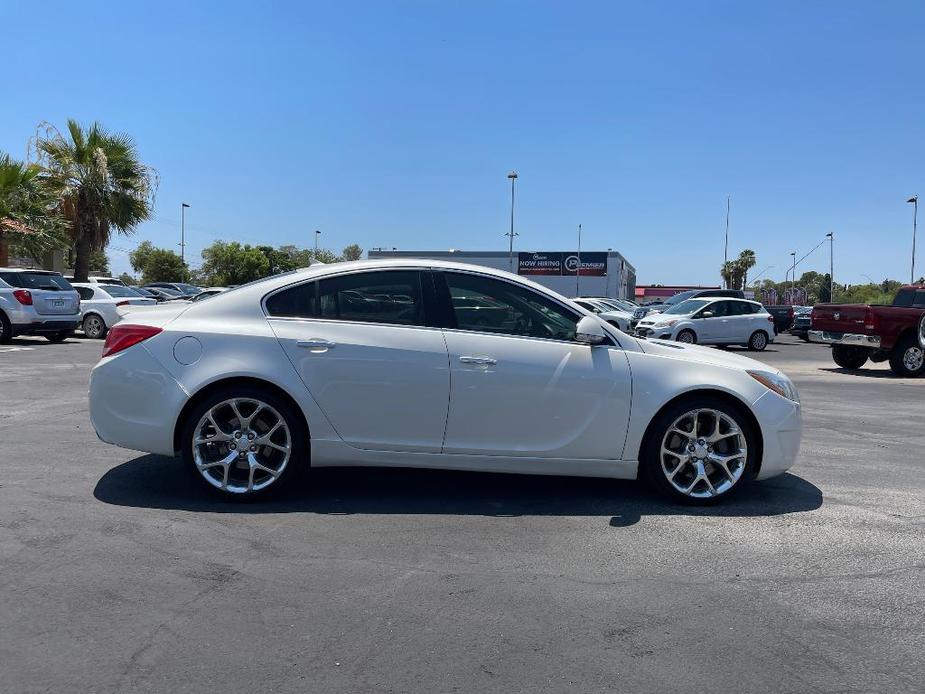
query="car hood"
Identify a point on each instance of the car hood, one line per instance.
(615, 314)
(703, 355)
(661, 319)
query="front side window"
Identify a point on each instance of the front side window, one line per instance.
(485, 304)
(392, 296)
(720, 309)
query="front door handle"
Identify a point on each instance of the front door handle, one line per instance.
(316, 344)
(479, 361)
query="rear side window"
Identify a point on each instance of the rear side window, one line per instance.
(904, 298)
(294, 302)
(392, 296)
(36, 280)
(85, 293)
(919, 301)
(119, 291)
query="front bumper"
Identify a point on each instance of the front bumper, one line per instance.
(659, 332)
(852, 339)
(781, 423)
(134, 401)
(44, 327)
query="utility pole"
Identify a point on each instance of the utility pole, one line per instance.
(578, 269)
(183, 207)
(831, 236)
(513, 176)
(726, 246)
(915, 215)
(317, 234)
(793, 272)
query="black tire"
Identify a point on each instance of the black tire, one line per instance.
(94, 326)
(299, 441)
(687, 337)
(848, 357)
(908, 358)
(758, 341)
(59, 336)
(650, 463)
(6, 330)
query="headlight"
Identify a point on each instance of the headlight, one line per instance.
(668, 324)
(779, 383)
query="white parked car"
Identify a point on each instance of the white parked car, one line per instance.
(102, 306)
(421, 363)
(208, 292)
(712, 322)
(617, 318)
(98, 279)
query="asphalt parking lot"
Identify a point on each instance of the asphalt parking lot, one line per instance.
(119, 575)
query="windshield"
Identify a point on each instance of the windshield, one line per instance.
(37, 280)
(187, 289)
(687, 307)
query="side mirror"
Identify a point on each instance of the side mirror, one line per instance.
(590, 331)
(706, 314)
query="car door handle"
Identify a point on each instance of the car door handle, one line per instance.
(479, 361)
(316, 343)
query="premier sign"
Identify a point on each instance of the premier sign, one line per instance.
(593, 264)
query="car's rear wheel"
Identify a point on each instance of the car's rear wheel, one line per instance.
(6, 330)
(94, 327)
(700, 450)
(243, 442)
(908, 358)
(59, 336)
(687, 337)
(848, 357)
(758, 341)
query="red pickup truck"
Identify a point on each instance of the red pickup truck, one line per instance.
(858, 332)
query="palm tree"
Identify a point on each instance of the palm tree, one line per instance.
(103, 186)
(747, 260)
(27, 210)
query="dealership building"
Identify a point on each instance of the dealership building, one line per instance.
(603, 273)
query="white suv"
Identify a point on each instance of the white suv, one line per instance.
(712, 322)
(36, 302)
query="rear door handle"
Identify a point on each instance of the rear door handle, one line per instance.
(318, 344)
(479, 361)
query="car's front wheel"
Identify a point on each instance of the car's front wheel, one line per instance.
(700, 450)
(687, 337)
(758, 341)
(6, 330)
(243, 442)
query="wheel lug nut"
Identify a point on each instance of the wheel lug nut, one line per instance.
(253, 448)
(232, 446)
(237, 434)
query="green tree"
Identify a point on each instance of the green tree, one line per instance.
(227, 263)
(746, 261)
(352, 252)
(157, 264)
(29, 221)
(279, 260)
(99, 262)
(323, 255)
(102, 183)
(128, 279)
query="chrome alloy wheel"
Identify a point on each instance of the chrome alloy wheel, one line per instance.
(686, 337)
(913, 358)
(241, 445)
(703, 453)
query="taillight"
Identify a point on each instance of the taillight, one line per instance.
(122, 337)
(871, 322)
(23, 296)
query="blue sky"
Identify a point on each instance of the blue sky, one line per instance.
(395, 123)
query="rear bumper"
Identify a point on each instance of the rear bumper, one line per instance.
(134, 401)
(44, 327)
(852, 339)
(781, 423)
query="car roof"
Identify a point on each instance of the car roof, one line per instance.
(34, 270)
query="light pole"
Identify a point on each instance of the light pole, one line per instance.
(726, 246)
(317, 234)
(183, 207)
(578, 269)
(831, 236)
(915, 214)
(793, 271)
(513, 176)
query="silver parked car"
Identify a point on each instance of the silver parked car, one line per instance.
(36, 302)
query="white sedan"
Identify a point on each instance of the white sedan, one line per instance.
(607, 313)
(102, 306)
(712, 322)
(414, 363)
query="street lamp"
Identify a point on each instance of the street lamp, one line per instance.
(513, 176)
(578, 269)
(317, 234)
(831, 237)
(915, 214)
(183, 207)
(726, 246)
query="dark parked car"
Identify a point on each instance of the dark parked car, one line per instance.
(180, 287)
(783, 317)
(802, 322)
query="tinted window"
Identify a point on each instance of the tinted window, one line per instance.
(687, 307)
(904, 298)
(392, 296)
(116, 290)
(919, 300)
(85, 293)
(719, 309)
(295, 302)
(36, 280)
(488, 305)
